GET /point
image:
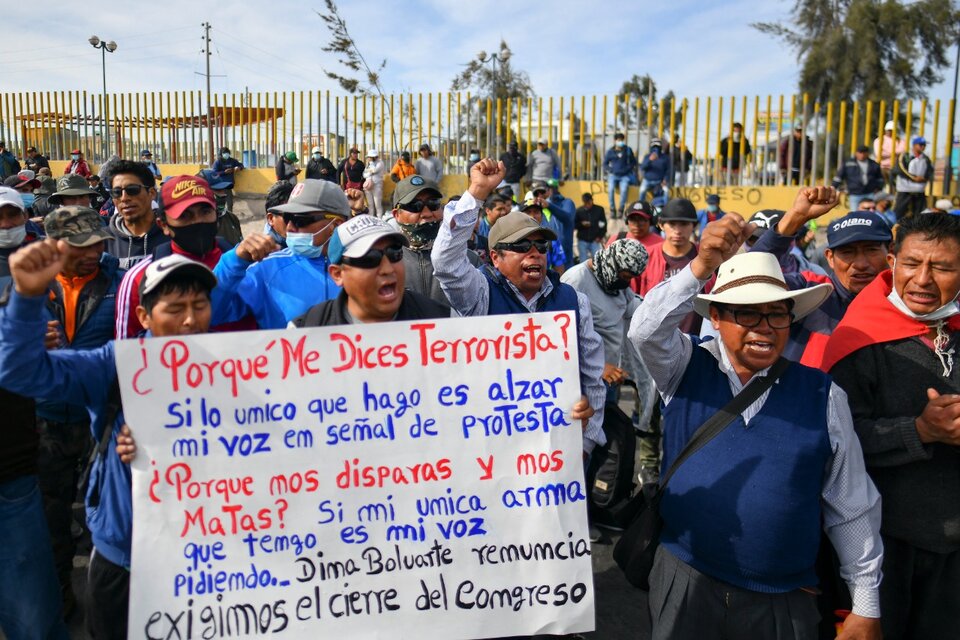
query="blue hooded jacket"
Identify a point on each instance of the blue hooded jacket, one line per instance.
(81, 378)
(275, 290)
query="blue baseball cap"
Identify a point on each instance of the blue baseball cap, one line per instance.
(920, 140)
(858, 226)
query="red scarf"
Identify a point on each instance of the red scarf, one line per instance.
(872, 319)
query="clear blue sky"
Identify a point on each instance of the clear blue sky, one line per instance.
(568, 47)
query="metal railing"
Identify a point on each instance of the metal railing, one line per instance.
(261, 126)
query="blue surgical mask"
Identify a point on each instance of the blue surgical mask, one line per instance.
(619, 143)
(302, 244)
(713, 208)
(74, 156)
(226, 156)
(316, 156)
(28, 199)
(474, 157)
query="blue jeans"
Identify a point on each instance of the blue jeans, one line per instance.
(612, 181)
(587, 249)
(30, 601)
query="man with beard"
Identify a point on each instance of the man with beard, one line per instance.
(856, 250)
(418, 211)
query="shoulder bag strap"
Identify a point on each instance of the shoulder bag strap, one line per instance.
(719, 421)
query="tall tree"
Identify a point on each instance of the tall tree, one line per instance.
(869, 49)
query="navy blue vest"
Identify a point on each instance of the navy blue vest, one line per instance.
(503, 300)
(745, 509)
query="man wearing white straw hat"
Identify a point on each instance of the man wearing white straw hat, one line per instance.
(742, 516)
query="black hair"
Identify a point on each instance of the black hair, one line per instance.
(279, 194)
(618, 136)
(178, 283)
(586, 196)
(134, 168)
(93, 176)
(495, 198)
(932, 226)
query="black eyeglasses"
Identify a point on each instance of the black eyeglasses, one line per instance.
(131, 190)
(417, 205)
(523, 246)
(748, 318)
(371, 259)
(301, 220)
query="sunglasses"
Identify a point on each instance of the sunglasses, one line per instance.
(131, 190)
(418, 205)
(749, 319)
(523, 246)
(371, 259)
(301, 220)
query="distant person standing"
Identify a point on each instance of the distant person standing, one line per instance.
(730, 153)
(472, 159)
(350, 171)
(36, 161)
(883, 150)
(591, 226)
(543, 163)
(287, 169)
(319, 167)
(620, 163)
(656, 170)
(146, 157)
(225, 169)
(402, 168)
(8, 162)
(802, 154)
(862, 175)
(913, 171)
(516, 166)
(77, 164)
(428, 165)
(373, 182)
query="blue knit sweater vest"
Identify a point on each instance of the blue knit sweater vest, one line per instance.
(503, 300)
(745, 509)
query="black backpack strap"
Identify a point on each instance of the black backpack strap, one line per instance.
(621, 235)
(719, 421)
(110, 416)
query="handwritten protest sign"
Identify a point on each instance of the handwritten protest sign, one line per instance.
(380, 481)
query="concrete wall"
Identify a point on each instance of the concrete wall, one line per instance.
(743, 200)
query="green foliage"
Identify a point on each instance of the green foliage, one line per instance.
(869, 49)
(342, 44)
(642, 99)
(494, 78)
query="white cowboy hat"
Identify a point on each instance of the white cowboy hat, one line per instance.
(755, 278)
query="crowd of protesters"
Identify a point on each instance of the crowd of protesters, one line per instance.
(845, 471)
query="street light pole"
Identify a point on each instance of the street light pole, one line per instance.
(104, 47)
(493, 58)
(948, 173)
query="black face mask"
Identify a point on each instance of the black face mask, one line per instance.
(197, 239)
(620, 283)
(421, 235)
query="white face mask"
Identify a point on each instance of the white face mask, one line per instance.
(10, 238)
(946, 311)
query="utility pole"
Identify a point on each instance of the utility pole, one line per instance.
(206, 49)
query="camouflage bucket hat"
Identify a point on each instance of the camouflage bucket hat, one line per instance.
(75, 225)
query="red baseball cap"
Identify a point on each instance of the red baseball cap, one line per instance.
(181, 192)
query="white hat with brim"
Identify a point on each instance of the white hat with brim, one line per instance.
(756, 278)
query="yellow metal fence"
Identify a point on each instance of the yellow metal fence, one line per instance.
(179, 127)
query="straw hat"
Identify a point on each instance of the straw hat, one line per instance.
(755, 278)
